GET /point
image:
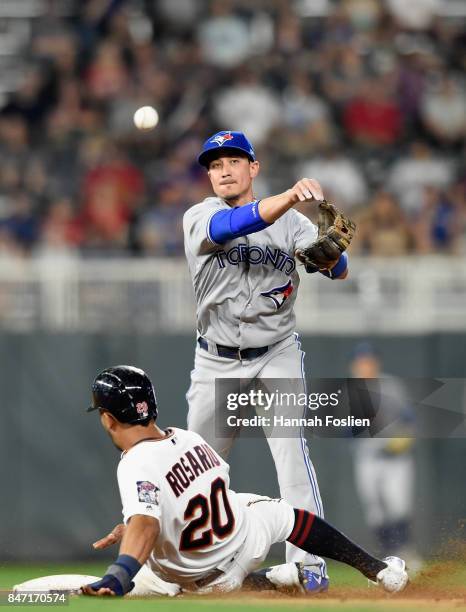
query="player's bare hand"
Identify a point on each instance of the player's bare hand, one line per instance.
(113, 537)
(305, 190)
(103, 592)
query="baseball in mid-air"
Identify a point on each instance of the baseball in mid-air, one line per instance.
(146, 118)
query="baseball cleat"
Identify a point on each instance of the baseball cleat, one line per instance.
(310, 581)
(394, 577)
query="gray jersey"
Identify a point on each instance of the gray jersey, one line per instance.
(245, 289)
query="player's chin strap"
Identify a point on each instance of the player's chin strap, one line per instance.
(119, 576)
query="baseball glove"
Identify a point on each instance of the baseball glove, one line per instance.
(336, 231)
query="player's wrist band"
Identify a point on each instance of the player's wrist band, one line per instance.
(119, 575)
(340, 266)
(338, 269)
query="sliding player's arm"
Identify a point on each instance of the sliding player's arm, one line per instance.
(138, 541)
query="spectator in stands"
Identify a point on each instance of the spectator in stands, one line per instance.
(14, 153)
(414, 15)
(306, 123)
(443, 110)
(224, 36)
(373, 117)
(343, 75)
(20, 221)
(383, 229)
(412, 70)
(411, 174)
(55, 44)
(14, 139)
(107, 75)
(179, 15)
(439, 223)
(10, 248)
(60, 150)
(61, 229)
(10, 178)
(159, 229)
(339, 175)
(363, 14)
(289, 36)
(36, 183)
(248, 106)
(33, 97)
(112, 192)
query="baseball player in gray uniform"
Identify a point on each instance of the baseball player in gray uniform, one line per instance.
(241, 254)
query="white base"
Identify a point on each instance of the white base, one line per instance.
(60, 582)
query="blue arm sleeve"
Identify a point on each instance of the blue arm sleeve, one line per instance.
(338, 269)
(241, 221)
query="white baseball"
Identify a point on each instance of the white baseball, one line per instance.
(146, 118)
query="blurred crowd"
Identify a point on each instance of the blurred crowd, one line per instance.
(367, 96)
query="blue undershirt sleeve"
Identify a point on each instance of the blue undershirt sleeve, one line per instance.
(338, 269)
(241, 221)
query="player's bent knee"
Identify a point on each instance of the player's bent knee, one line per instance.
(302, 527)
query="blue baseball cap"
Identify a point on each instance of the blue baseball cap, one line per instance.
(223, 141)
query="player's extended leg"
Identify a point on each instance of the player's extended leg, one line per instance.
(312, 534)
(295, 472)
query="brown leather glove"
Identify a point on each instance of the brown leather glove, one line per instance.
(336, 232)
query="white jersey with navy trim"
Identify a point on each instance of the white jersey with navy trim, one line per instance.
(181, 481)
(245, 289)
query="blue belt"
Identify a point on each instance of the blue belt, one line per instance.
(232, 352)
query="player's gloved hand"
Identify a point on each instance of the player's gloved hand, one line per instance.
(113, 537)
(336, 231)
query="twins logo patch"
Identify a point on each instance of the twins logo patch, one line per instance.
(220, 139)
(148, 493)
(280, 294)
(142, 409)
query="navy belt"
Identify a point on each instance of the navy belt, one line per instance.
(232, 352)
